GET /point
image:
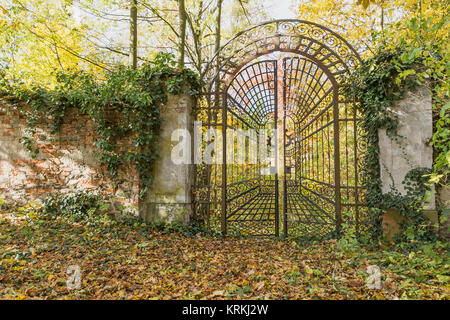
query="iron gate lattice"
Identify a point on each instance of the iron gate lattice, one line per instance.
(320, 144)
(252, 197)
(311, 203)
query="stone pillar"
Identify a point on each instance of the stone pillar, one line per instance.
(169, 199)
(412, 150)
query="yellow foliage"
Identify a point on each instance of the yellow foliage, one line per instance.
(358, 21)
(38, 37)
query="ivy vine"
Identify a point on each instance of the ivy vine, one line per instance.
(376, 85)
(126, 106)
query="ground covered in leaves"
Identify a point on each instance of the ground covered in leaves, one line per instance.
(130, 260)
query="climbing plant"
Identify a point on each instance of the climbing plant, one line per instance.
(126, 106)
(379, 82)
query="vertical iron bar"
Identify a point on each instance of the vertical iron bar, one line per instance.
(285, 189)
(337, 165)
(285, 224)
(277, 222)
(224, 164)
(355, 145)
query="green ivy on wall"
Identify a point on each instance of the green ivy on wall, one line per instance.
(125, 106)
(379, 82)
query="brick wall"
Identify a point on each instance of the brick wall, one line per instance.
(66, 161)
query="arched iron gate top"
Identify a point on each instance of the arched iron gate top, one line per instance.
(306, 38)
(253, 87)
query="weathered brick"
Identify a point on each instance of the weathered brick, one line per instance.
(58, 167)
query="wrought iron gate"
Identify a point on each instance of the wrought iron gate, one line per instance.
(311, 156)
(298, 96)
(252, 188)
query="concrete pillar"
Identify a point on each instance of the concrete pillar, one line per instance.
(412, 150)
(169, 199)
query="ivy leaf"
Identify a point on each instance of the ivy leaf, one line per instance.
(444, 109)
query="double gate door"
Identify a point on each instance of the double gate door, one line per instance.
(281, 163)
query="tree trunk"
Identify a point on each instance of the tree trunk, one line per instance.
(133, 33)
(217, 44)
(182, 41)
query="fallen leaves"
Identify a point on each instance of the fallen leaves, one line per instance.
(260, 285)
(126, 261)
(218, 293)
